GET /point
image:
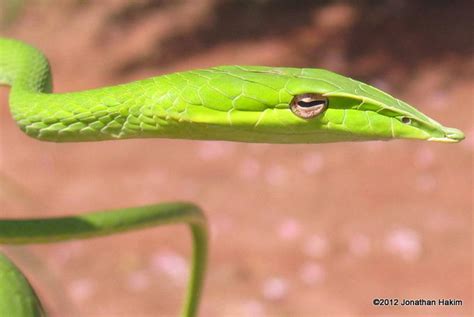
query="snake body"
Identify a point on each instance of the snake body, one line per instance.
(233, 103)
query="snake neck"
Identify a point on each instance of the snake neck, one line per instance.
(23, 67)
(185, 105)
(126, 111)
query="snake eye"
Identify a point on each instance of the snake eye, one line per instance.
(406, 120)
(308, 106)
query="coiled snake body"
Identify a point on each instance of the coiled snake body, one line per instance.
(233, 103)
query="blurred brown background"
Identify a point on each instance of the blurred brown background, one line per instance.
(297, 230)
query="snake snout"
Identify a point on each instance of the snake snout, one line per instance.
(454, 134)
(451, 135)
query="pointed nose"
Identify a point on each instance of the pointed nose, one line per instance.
(451, 135)
(454, 134)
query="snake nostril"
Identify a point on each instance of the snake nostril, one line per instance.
(406, 120)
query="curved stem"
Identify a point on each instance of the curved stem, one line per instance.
(29, 231)
(17, 297)
(198, 270)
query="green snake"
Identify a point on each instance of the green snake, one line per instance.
(232, 103)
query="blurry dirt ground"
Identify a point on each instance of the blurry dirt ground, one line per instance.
(297, 230)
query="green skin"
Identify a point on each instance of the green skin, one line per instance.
(233, 103)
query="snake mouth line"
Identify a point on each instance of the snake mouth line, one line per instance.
(445, 140)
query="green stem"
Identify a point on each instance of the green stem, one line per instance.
(28, 231)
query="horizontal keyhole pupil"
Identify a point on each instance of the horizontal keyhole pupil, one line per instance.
(312, 103)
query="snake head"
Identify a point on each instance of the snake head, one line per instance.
(376, 113)
(316, 105)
